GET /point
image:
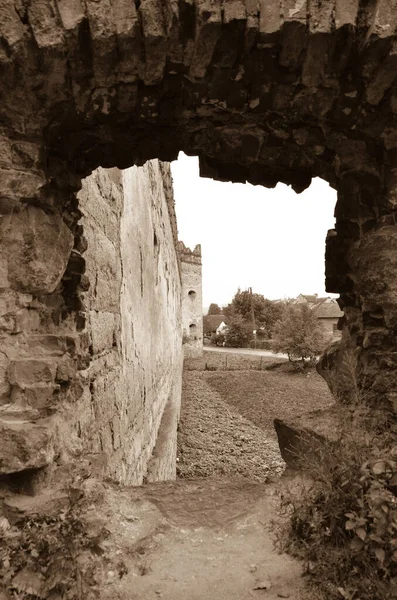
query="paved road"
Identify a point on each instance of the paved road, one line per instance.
(249, 351)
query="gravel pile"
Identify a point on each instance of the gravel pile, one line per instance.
(214, 439)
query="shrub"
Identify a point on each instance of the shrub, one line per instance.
(299, 334)
(238, 333)
(343, 519)
(217, 339)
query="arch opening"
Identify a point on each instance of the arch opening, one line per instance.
(258, 105)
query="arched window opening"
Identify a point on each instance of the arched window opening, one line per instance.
(192, 294)
(193, 331)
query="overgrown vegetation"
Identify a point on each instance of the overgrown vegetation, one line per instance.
(343, 512)
(255, 310)
(299, 333)
(59, 555)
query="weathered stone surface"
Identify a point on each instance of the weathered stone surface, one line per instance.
(19, 507)
(24, 445)
(38, 246)
(192, 301)
(306, 437)
(263, 92)
(134, 323)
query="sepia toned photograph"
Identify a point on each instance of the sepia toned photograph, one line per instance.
(198, 299)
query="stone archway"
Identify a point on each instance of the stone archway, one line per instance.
(262, 91)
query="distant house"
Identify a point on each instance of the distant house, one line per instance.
(311, 299)
(328, 312)
(306, 298)
(222, 329)
(211, 323)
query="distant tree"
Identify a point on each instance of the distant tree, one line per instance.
(299, 333)
(228, 311)
(217, 339)
(266, 312)
(214, 309)
(239, 332)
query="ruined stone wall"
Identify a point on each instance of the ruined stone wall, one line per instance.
(133, 323)
(262, 92)
(192, 300)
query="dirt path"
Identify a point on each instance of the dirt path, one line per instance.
(200, 539)
(245, 351)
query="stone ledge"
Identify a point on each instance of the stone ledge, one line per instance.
(24, 445)
(19, 507)
(307, 434)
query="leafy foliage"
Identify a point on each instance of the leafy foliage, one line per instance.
(57, 555)
(344, 522)
(214, 309)
(299, 333)
(239, 332)
(266, 312)
(217, 339)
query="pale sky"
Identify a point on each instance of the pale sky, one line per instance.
(272, 240)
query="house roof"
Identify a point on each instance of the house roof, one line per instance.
(324, 299)
(328, 310)
(309, 297)
(211, 322)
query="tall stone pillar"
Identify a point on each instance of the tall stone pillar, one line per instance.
(192, 300)
(39, 265)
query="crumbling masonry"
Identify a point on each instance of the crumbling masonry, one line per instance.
(262, 91)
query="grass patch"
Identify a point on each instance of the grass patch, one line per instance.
(264, 396)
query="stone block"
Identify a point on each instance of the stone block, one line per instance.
(71, 12)
(155, 39)
(102, 330)
(44, 23)
(30, 372)
(38, 247)
(27, 320)
(19, 507)
(11, 27)
(208, 31)
(20, 184)
(66, 370)
(346, 12)
(24, 445)
(52, 345)
(36, 397)
(270, 17)
(5, 387)
(4, 283)
(306, 436)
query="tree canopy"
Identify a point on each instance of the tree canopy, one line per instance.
(214, 309)
(299, 333)
(262, 314)
(238, 333)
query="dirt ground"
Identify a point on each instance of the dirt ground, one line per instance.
(215, 439)
(195, 538)
(262, 396)
(226, 425)
(202, 539)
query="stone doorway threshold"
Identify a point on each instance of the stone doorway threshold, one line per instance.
(197, 540)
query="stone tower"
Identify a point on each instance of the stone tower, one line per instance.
(192, 304)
